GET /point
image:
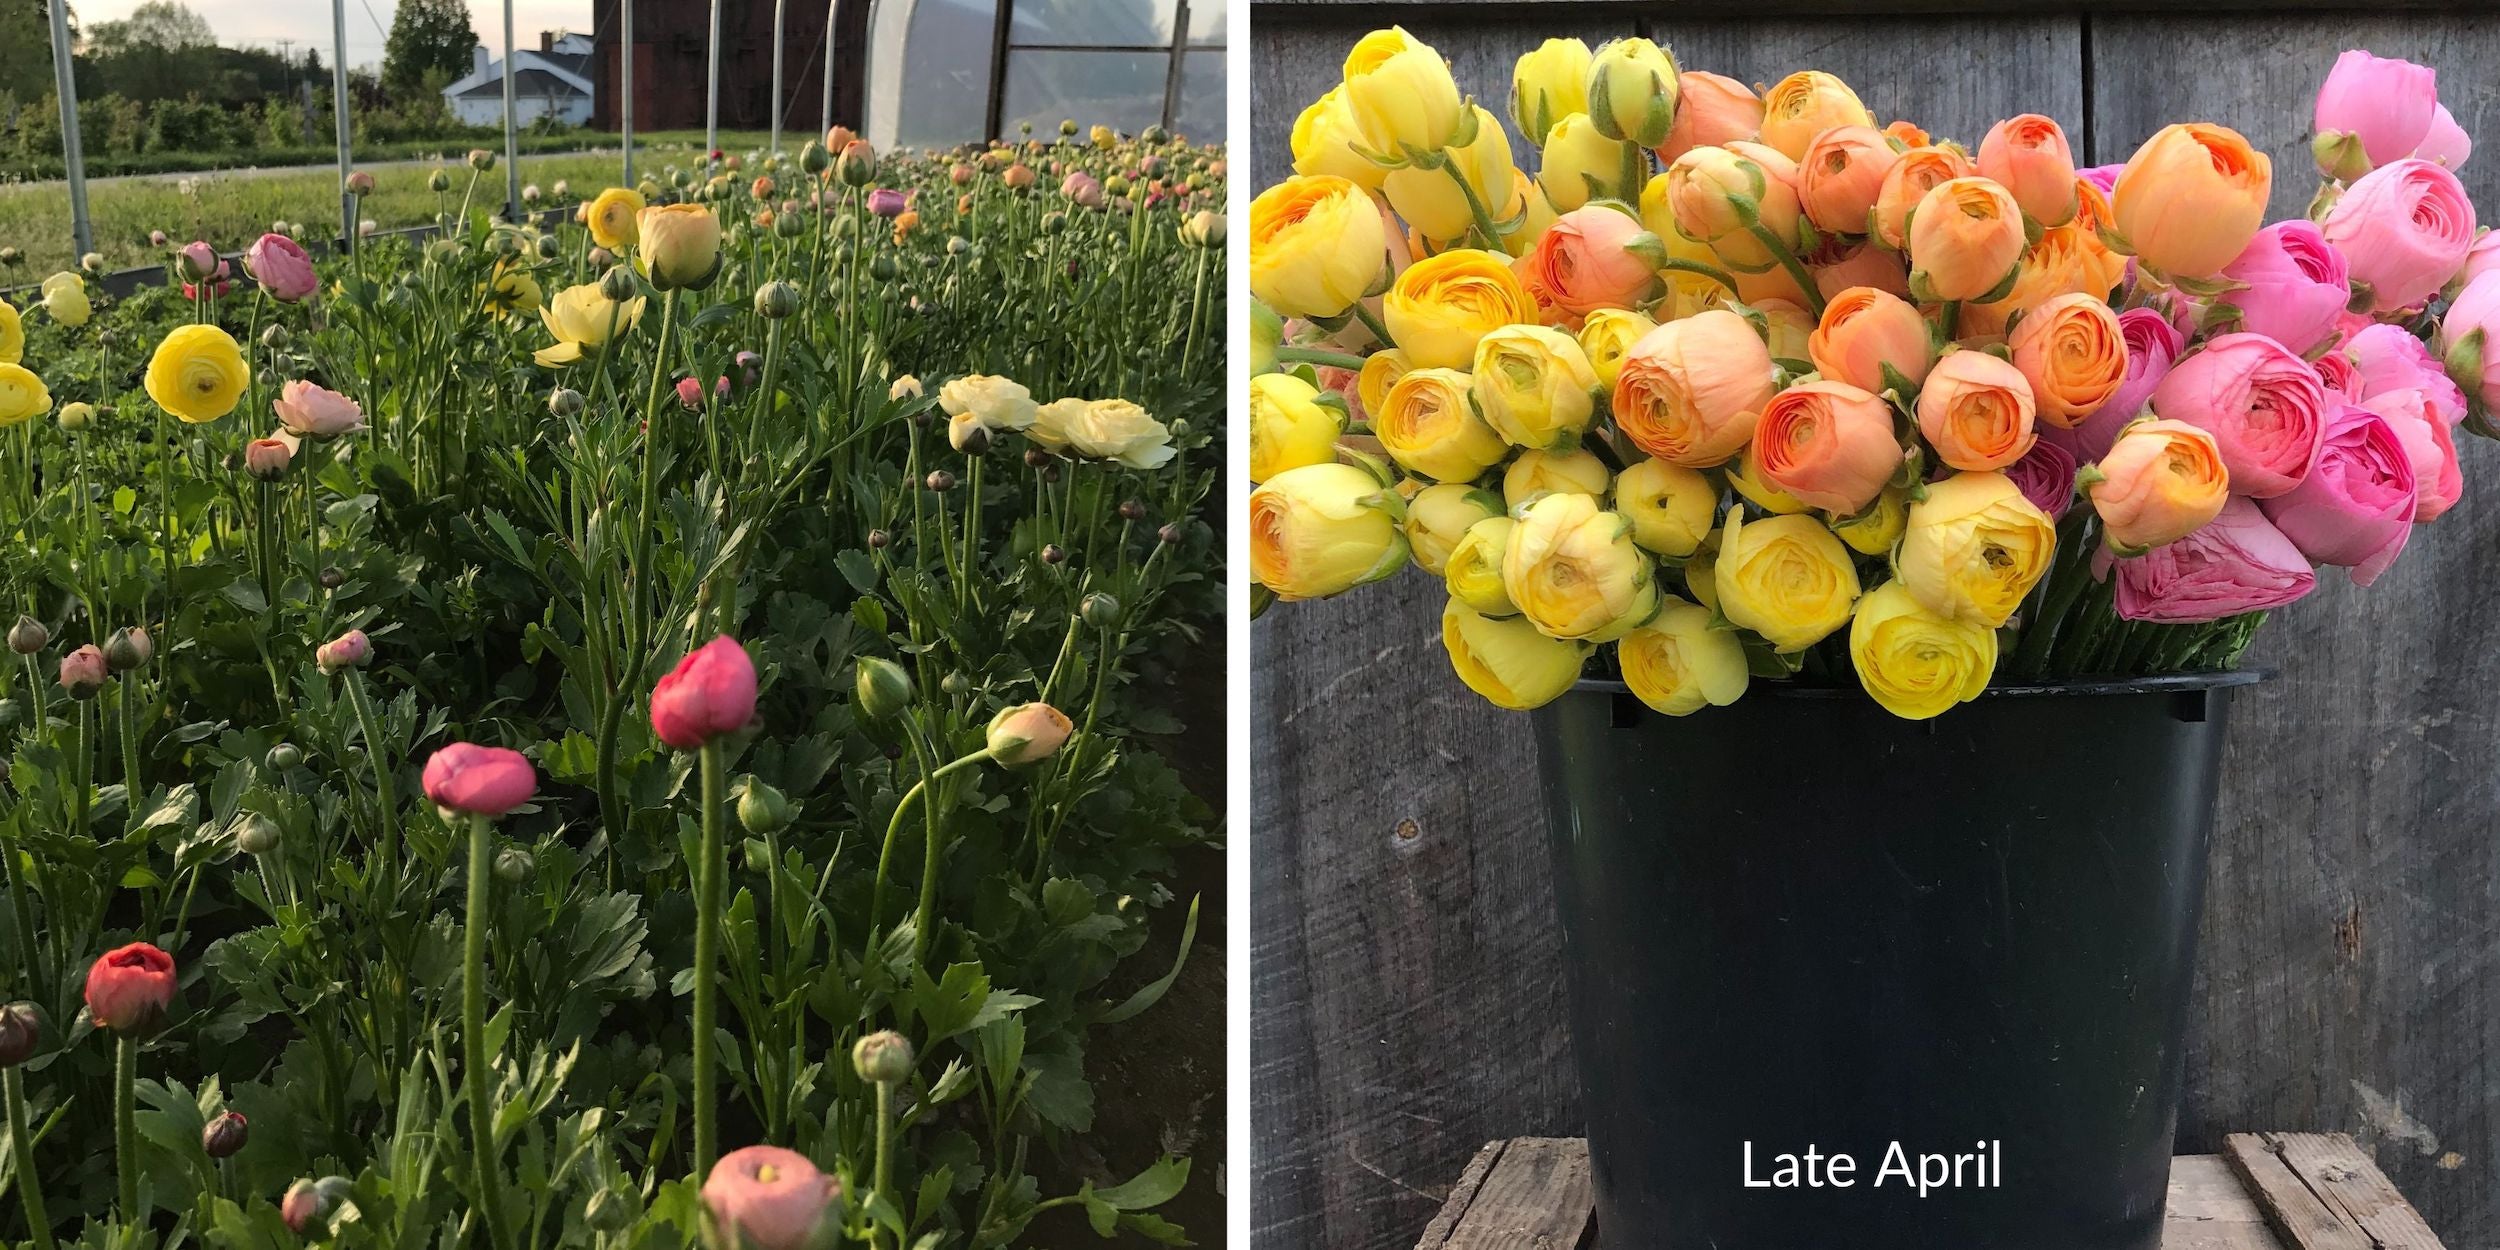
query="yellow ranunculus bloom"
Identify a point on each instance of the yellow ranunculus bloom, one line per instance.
(65, 298)
(581, 319)
(1575, 572)
(1534, 473)
(1582, 165)
(1401, 96)
(1915, 662)
(1632, 91)
(1439, 516)
(1974, 547)
(1679, 665)
(1672, 509)
(1874, 531)
(1508, 662)
(511, 289)
(1323, 529)
(1607, 336)
(1548, 85)
(12, 334)
(1806, 104)
(1323, 142)
(1103, 136)
(1431, 201)
(1786, 578)
(1289, 425)
(197, 373)
(1381, 370)
(1534, 386)
(1428, 425)
(1317, 245)
(1103, 429)
(23, 396)
(1441, 305)
(1742, 475)
(678, 245)
(611, 218)
(1472, 572)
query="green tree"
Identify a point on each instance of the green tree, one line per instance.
(26, 44)
(429, 45)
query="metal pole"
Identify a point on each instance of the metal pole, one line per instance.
(511, 128)
(338, 115)
(73, 151)
(778, 6)
(711, 107)
(625, 84)
(833, 9)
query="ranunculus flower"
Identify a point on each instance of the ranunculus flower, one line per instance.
(1974, 547)
(888, 203)
(23, 396)
(281, 268)
(2073, 352)
(65, 298)
(2447, 143)
(581, 319)
(2356, 508)
(2385, 358)
(710, 693)
(1965, 238)
(1977, 411)
(1840, 265)
(1547, 84)
(1704, 189)
(2405, 229)
(2157, 484)
(2153, 341)
(2070, 259)
(2236, 563)
(2430, 443)
(1828, 443)
(611, 218)
(1322, 529)
(1692, 390)
(1441, 305)
(1606, 337)
(467, 779)
(1400, 94)
(1590, 258)
(1434, 204)
(129, 987)
(1103, 429)
(1534, 386)
(1574, 572)
(1473, 572)
(2294, 285)
(1840, 175)
(1787, 578)
(1672, 509)
(2469, 339)
(995, 403)
(678, 245)
(1534, 473)
(768, 1198)
(1868, 338)
(12, 334)
(2379, 106)
(1632, 91)
(83, 671)
(2029, 156)
(311, 411)
(1678, 664)
(197, 373)
(1508, 661)
(1429, 424)
(1915, 662)
(2191, 198)
(2264, 406)
(1440, 515)
(1716, 110)
(1806, 104)
(1919, 171)
(2046, 476)
(348, 650)
(1289, 426)
(198, 261)
(1027, 733)
(1581, 165)
(267, 458)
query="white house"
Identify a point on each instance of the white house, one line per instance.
(551, 81)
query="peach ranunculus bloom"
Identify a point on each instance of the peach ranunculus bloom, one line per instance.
(1713, 110)
(1865, 333)
(308, 410)
(1920, 170)
(2029, 156)
(1965, 240)
(1691, 391)
(1840, 175)
(1977, 411)
(1805, 104)
(1590, 258)
(2191, 198)
(2160, 482)
(2071, 351)
(1828, 443)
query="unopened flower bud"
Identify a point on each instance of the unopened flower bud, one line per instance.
(284, 756)
(1170, 534)
(1027, 733)
(776, 299)
(513, 865)
(83, 672)
(941, 481)
(883, 688)
(128, 648)
(266, 459)
(92, 262)
(618, 284)
(609, 1210)
(21, 1033)
(763, 809)
(360, 183)
(564, 401)
(331, 578)
(1100, 610)
(879, 540)
(255, 834)
(1035, 457)
(303, 1208)
(814, 158)
(481, 160)
(1053, 553)
(882, 1058)
(276, 337)
(28, 636)
(1132, 510)
(225, 1136)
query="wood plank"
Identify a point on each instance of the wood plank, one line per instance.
(1462, 1195)
(1537, 1198)
(2296, 1213)
(2345, 1179)
(2209, 1209)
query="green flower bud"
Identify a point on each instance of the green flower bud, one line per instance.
(882, 1058)
(255, 834)
(284, 756)
(1100, 610)
(884, 688)
(763, 809)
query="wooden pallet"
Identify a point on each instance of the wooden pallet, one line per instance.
(2265, 1191)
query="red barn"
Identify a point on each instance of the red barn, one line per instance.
(671, 66)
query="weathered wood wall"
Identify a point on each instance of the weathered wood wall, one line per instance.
(1407, 999)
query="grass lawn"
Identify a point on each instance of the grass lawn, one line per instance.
(231, 209)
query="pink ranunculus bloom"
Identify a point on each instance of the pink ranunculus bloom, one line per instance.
(2153, 342)
(2356, 507)
(130, 987)
(2046, 476)
(84, 669)
(197, 260)
(2385, 103)
(2238, 562)
(1584, 262)
(267, 458)
(2405, 228)
(2469, 337)
(479, 781)
(2388, 358)
(2263, 404)
(348, 650)
(2103, 177)
(710, 693)
(308, 410)
(886, 202)
(2430, 443)
(280, 266)
(690, 393)
(2340, 375)
(2447, 143)
(2480, 259)
(768, 1198)
(1083, 188)
(1348, 384)
(2294, 287)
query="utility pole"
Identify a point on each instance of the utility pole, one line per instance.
(73, 151)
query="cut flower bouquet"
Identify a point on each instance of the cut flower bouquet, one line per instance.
(1746, 385)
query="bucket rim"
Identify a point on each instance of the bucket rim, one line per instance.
(2166, 683)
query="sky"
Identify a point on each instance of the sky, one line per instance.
(265, 22)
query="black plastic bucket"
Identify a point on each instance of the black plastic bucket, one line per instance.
(1798, 923)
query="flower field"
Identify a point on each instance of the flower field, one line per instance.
(641, 733)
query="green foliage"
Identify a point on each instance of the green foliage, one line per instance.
(429, 45)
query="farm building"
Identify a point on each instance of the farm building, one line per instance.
(552, 80)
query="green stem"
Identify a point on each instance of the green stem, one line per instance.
(474, 1062)
(1475, 207)
(126, 1122)
(885, 1139)
(1378, 330)
(1796, 268)
(1315, 356)
(1720, 276)
(21, 1152)
(706, 952)
(381, 764)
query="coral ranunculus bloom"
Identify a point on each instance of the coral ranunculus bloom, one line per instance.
(710, 693)
(130, 987)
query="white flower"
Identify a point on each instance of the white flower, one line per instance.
(1103, 429)
(905, 387)
(999, 403)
